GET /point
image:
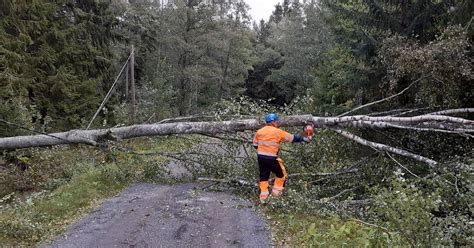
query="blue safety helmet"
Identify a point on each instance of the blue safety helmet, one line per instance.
(271, 117)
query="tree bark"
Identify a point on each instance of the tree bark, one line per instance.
(92, 137)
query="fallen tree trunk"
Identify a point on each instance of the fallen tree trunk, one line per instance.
(427, 122)
(92, 137)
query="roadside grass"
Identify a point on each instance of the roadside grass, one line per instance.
(296, 220)
(61, 184)
(313, 230)
(40, 219)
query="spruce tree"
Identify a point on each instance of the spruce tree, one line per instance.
(56, 60)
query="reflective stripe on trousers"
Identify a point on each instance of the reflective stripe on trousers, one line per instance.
(264, 195)
(279, 182)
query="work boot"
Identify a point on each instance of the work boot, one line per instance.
(265, 200)
(277, 192)
(277, 188)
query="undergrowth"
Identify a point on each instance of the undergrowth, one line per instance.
(313, 230)
(334, 200)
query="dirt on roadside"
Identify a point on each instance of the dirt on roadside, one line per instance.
(149, 215)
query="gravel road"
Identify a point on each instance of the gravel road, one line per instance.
(148, 215)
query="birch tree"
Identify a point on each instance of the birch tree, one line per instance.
(428, 122)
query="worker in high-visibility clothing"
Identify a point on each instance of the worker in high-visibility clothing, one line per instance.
(267, 141)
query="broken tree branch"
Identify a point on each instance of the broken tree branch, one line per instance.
(386, 148)
(322, 174)
(394, 112)
(370, 224)
(453, 111)
(439, 129)
(238, 181)
(326, 175)
(356, 120)
(199, 118)
(399, 164)
(340, 193)
(381, 100)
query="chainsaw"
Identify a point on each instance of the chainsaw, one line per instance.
(309, 131)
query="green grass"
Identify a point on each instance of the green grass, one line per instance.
(63, 183)
(41, 219)
(312, 230)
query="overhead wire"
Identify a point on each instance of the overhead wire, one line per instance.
(109, 93)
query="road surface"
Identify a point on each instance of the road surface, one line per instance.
(149, 215)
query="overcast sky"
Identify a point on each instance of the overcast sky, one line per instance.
(261, 9)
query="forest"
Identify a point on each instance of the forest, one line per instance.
(208, 61)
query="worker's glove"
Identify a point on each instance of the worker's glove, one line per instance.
(306, 139)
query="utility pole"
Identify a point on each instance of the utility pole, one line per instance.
(132, 83)
(127, 71)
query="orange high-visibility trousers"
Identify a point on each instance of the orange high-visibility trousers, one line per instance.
(279, 181)
(268, 165)
(264, 191)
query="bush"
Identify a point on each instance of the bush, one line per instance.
(428, 212)
(313, 230)
(407, 210)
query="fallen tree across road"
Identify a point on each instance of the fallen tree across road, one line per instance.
(429, 122)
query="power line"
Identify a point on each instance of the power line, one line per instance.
(106, 98)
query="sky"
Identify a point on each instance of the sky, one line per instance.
(261, 9)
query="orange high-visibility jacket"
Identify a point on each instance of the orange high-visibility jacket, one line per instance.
(268, 140)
